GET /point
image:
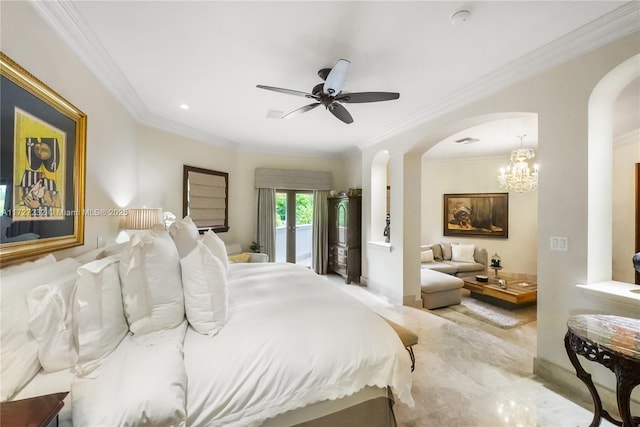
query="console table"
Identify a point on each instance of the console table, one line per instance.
(614, 342)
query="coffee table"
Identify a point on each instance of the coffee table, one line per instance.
(519, 292)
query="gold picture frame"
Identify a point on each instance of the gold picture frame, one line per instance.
(42, 167)
(476, 215)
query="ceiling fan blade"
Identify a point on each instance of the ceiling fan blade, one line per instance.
(340, 112)
(288, 91)
(300, 110)
(358, 97)
(337, 76)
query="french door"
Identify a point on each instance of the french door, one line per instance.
(294, 226)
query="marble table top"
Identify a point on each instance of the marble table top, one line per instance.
(618, 334)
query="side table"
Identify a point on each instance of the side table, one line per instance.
(614, 342)
(41, 411)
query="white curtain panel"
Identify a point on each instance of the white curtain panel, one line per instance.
(267, 221)
(320, 255)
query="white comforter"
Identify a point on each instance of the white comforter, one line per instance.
(292, 339)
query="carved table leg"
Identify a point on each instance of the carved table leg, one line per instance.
(627, 378)
(585, 377)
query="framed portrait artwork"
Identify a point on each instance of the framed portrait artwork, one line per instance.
(42, 167)
(477, 215)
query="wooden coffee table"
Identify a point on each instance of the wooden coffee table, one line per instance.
(519, 292)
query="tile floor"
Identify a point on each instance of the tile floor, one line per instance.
(472, 374)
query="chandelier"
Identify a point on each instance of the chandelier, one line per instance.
(518, 177)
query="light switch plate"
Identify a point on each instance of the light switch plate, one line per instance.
(557, 243)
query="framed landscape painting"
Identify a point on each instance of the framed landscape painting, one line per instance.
(42, 167)
(477, 215)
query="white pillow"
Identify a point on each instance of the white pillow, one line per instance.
(185, 235)
(462, 253)
(426, 256)
(98, 317)
(29, 265)
(18, 348)
(50, 323)
(151, 282)
(205, 290)
(217, 247)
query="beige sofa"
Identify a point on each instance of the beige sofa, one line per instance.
(445, 262)
(440, 285)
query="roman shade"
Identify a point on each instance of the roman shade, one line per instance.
(205, 198)
(291, 179)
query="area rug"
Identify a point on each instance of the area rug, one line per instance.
(491, 314)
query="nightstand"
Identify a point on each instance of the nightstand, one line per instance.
(41, 411)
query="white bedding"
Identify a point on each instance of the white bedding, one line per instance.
(292, 339)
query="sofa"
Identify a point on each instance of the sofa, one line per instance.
(165, 330)
(467, 260)
(442, 264)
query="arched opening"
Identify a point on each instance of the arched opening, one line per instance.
(379, 195)
(600, 163)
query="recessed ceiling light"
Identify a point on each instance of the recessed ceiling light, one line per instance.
(184, 106)
(459, 17)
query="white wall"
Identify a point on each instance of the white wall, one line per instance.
(561, 101)
(112, 148)
(626, 153)
(519, 251)
(133, 165)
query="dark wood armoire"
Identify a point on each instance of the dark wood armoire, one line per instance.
(345, 222)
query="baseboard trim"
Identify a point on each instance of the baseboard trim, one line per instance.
(567, 381)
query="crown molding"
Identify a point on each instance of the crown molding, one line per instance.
(632, 137)
(615, 25)
(64, 18)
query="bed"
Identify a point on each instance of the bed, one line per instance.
(294, 350)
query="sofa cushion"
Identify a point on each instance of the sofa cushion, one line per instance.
(462, 253)
(446, 251)
(434, 281)
(442, 267)
(241, 257)
(426, 256)
(205, 290)
(18, 348)
(98, 320)
(29, 265)
(50, 322)
(467, 267)
(151, 282)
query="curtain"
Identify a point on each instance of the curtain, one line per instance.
(267, 221)
(320, 231)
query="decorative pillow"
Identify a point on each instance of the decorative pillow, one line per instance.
(242, 257)
(18, 348)
(437, 252)
(50, 323)
(205, 290)
(216, 245)
(446, 251)
(185, 235)
(462, 253)
(426, 256)
(98, 317)
(151, 282)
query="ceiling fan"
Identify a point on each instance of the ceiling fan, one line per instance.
(330, 93)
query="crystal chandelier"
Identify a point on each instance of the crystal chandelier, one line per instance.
(518, 177)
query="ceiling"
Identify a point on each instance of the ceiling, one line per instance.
(156, 55)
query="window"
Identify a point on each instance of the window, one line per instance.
(205, 198)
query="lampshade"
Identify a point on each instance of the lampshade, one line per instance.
(143, 218)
